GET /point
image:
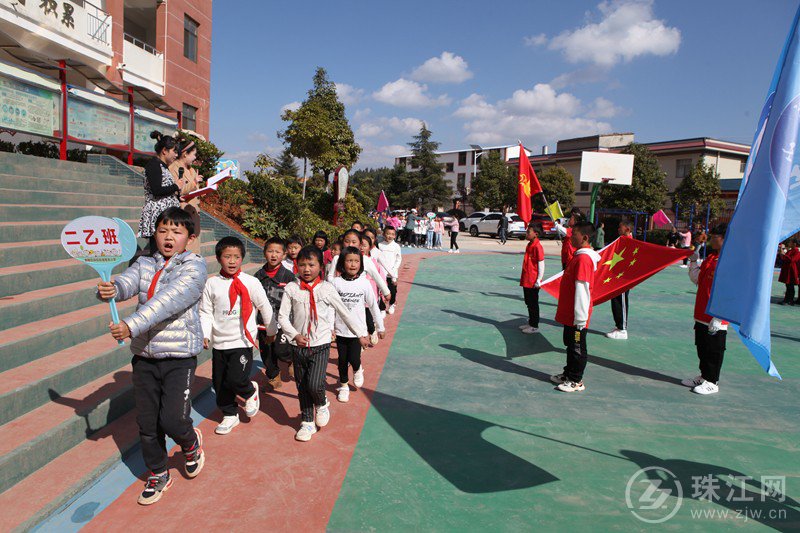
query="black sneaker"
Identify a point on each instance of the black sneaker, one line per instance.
(155, 486)
(195, 458)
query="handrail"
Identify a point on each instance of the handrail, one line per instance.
(141, 44)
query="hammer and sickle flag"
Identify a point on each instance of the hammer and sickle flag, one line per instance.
(527, 185)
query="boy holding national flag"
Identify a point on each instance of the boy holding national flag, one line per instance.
(619, 303)
(531, 278)
(228, 317)
(710, 333)
(575, 306)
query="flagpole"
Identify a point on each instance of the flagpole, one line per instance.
(519, 158)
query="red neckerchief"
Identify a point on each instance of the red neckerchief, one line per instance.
(152, 289)
(238, 289)
(294, 266)
(272, 273)
(312, 303)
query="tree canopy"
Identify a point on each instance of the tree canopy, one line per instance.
(647, 193)
(699, 189)
(558, 185)
(495, 185)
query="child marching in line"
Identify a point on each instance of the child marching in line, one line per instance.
(293, 246)
(531, 278)
(166, 338)
(575, 306)
(352, 238)
(366, 248)
(790, 258)
(273, 277)
(304, 318)
(357, 295)
(320, 240)
(393, 255)
(710, 333)
(229, 327)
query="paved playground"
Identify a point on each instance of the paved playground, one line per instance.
(464, 432)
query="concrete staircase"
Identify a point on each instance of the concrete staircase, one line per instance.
(65, 392)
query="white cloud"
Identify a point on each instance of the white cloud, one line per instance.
(604, 108)
(348, 94)
(407, 93)
(537, 116)
(293, 106)
(589, 74)
(362, 114)
(258, 137)
(447, 68)
(386, 126)
(379, 156)
(535, 40)
(627, 29)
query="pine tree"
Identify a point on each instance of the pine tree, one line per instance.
(426, 186)
(285, 166)
(647, 193)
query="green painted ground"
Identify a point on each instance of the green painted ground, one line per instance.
(467, 434)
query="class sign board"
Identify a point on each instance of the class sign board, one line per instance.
(102, 243)
(597, 167)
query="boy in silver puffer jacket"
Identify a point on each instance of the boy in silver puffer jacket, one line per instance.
(166, 338)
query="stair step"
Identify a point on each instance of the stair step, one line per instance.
(60, 460)
(12, 158)
(52, 198)
(24, 253)
(90, 173)
(16, 231)
(23, 278)
(9, 181)
(39, 212)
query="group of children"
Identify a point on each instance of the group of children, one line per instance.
(579, 261)
(296, 305)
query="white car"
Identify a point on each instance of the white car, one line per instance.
(489, 225)
(465, 223)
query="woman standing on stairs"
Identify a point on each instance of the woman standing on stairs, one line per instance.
(182, 169)
(161, 191)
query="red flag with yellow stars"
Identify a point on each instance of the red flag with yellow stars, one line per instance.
(623, 264)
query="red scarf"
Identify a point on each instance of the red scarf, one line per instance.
(312, 303)
(152, 289)
(294, 266)
(238, 289)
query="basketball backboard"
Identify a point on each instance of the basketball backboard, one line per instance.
(597, 167)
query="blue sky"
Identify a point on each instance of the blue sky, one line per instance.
(478, 72)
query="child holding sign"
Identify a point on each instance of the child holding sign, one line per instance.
(166, 339)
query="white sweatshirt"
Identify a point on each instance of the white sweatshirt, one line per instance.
(223, 325)
(583, 297)
(392, 256)
(357, 295)
(289, 264)
(294, 318)
(369, 268)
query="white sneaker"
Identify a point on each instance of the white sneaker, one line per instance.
(706, 387)
(693, 382)
(450, 251)
(227, 424)
(343, 393)
(530, 330)
(571, 386)
(523, 326)
(457, 252)
(383, 314)
(619, 334)
(558, 379)
(391, 309)
(373, 339)
(323, 414)
(358, 377)
(253, 403)
(684, 266)
(306, 430)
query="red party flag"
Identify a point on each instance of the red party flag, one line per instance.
(623, 264)
(528, 184)
(383, 203)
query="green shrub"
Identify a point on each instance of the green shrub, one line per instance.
(76, 154)
(46, 149)
(658, 236)
(261, 224)
(207, 154)
(7, 146)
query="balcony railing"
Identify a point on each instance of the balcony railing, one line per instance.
(98, 24)
(140, 44)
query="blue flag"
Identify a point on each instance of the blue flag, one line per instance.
(768, 211)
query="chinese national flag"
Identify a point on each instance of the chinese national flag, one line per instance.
(528, 185)
(623, 264)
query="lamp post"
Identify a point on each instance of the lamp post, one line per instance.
(477, 151)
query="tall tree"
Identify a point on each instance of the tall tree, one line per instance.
(699, 190)
(647, 193)
(319, 130)
(425, 186)
(285, 166)
(558, 185)
(495, 185)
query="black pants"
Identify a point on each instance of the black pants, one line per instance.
(502, 233)
(532, 301)
(788, 298)
(710, 351)
(272, 353)
(411, 237)
(162, 389)
(619, 308)
(310, 365)
(230, 374)
(453, 238)
(370, 323)
(392, 284)
(575, 341)
(349, 349)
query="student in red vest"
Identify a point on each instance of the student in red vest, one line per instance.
(790, 258)
(575, 307)
(532, 275)
(709, 333)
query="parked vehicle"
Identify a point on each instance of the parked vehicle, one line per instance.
(465, 223)
(548, 228)
(488, 225)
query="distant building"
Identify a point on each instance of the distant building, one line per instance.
(154, 55)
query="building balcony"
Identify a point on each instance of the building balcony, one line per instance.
(79, 30)
(143, 65)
